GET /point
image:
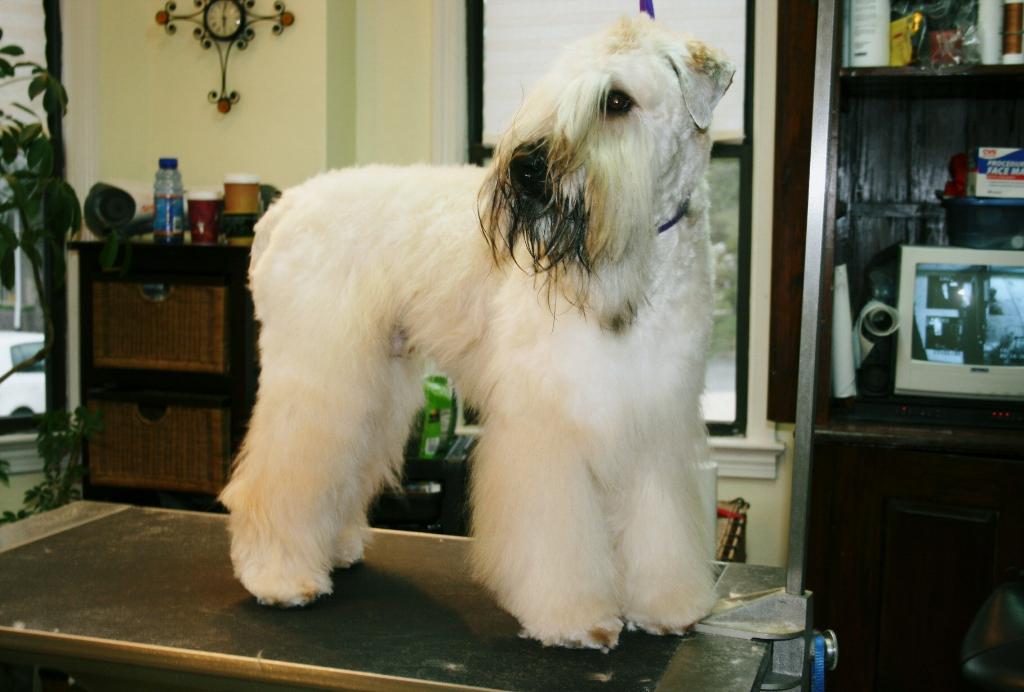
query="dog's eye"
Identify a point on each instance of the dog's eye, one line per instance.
(617, 103)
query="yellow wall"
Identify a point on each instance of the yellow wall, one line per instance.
(393, 64)
(349, 82)
(342, 86)
(153, 98)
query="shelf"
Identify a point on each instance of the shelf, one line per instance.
(934, 438)
(978, 81)
(897, 210)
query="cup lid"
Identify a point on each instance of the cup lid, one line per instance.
(203, 195)
(241, 179)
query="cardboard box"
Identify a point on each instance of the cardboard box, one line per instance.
(996, 172)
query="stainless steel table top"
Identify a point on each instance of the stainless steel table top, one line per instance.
(148, 595)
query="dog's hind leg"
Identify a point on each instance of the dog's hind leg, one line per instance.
(284, 485)
(399, 396)
(541, 540)
(311, 456)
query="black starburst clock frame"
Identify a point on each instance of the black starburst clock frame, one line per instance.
(224, 24)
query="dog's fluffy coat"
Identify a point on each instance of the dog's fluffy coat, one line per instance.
(577, 329)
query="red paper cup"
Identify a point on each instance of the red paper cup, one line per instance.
(203, 216)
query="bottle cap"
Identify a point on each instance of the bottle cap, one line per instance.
(168, 162)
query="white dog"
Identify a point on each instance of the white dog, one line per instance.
(567, 290)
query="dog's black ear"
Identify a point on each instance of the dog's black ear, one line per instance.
(703, 78)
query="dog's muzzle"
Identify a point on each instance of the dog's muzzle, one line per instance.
(529, 173)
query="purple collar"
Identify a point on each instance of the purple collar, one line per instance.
(683, 208)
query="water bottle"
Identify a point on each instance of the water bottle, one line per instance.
(168, 202)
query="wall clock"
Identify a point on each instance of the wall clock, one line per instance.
(224, 24)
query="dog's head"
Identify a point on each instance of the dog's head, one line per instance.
(607, 147)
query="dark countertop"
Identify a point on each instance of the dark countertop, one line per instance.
(149, 595)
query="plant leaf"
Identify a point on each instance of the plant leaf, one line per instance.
(55, 99)
(108, 255)
(63, 213)
(7, 268)
(38, 85)
(40, 157)
(30, 133)
(7, 235)
(25, 108)
(71, 199)
(12, 50)
(9, 143)
(6, 69)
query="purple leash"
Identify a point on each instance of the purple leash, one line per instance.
(648, 7)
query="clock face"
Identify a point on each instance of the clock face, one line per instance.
(224, 19)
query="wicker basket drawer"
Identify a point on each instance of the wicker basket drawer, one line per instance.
(172, 447)
(159, 326)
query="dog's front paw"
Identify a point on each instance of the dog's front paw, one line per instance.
(665, 621)
(274, 588)
(603, 636)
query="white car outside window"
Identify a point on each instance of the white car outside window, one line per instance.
(24, 392)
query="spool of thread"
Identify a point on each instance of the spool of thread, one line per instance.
(990, 28)
(242, 193)
(1013, 24)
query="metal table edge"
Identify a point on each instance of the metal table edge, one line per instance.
(40, 526)
(210, 665)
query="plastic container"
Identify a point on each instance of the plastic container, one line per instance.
(203, 216)
(168, 203)
(985, 223)
(242, 194)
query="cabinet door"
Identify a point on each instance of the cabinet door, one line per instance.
(904, 548)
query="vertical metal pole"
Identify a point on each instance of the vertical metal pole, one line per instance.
(818, 215)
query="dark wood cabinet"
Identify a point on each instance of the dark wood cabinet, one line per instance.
(168, 356)
(911, 526)
(907, 539)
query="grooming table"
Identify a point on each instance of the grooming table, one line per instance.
(122, 597)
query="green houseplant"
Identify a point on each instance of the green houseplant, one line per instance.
(47, 209)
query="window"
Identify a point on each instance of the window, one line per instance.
(511, 43)
(30, 24)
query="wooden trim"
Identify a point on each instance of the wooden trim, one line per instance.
(794, 87)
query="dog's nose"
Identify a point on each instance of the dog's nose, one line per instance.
(529, 171)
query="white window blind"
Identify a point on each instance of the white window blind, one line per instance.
(23, 23)
(523, 37)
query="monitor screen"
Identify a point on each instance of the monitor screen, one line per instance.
(969, 314)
